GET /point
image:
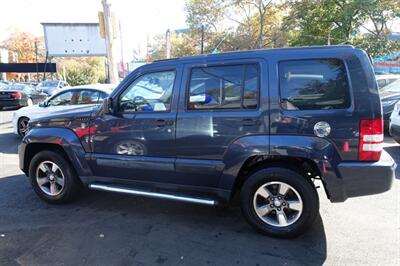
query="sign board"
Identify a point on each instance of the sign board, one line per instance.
(28, 67)
(73, 39)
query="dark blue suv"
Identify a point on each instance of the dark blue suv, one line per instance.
(264, 124)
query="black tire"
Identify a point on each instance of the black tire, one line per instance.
(304, 187)
(72, 184)
(19, 125)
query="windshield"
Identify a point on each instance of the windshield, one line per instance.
(392, 87)
(49, 83)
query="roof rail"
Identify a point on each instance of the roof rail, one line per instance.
(255, 50)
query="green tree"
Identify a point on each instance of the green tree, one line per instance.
(318, 22)
(183, 44)
(82, 70)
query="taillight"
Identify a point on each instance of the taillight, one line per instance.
(371, 140)
(16, 95)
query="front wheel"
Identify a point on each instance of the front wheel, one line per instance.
(53, 177)
(279, 202)
(23, 126)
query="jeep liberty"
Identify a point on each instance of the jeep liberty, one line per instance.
(263, 124)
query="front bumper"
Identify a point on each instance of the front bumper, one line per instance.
(364, 178)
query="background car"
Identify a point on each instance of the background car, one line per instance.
(19, 95)
(3, 84)
(51, 86)
(394, 125)
(385, 79)
(73, 97)
(390, 95)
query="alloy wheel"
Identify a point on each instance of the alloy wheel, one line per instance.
(23, 126)
(278, 204)
(50, 178)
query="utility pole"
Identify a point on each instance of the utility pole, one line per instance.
(37, 66)
(168, 44)
(113, 75)
(122, 52)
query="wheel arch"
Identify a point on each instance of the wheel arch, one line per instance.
(303, 166)
(60, 140)
(309, 155)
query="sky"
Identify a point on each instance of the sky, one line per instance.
(138, 18)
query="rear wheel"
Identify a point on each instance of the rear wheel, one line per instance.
(279, 202)
(23, 126)
(53, 178)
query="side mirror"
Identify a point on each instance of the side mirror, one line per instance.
(42, 104)
(108, 106)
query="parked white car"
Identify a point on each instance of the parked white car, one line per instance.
(394, 124)
(72, 97)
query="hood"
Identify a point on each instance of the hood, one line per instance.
(61, 117)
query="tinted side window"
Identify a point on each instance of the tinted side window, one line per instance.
(223, 87)
(103, 95)
(314, 84)
(88, 97)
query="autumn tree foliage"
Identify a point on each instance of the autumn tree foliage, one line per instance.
(21, 46)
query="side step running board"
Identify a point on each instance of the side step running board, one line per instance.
(111, 188)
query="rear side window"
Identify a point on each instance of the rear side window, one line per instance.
(224, 87)
(88, 97)
(314, 84)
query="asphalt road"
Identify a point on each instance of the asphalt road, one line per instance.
(110, 229)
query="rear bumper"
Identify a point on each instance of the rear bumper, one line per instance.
(363, 178)
(12, 103)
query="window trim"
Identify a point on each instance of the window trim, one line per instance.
(222, 64)
(118, 96)
(350, 87)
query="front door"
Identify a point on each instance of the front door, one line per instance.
(138, 141)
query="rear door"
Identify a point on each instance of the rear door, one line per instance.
(220, 102)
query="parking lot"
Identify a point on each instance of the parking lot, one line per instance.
(110, 229)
